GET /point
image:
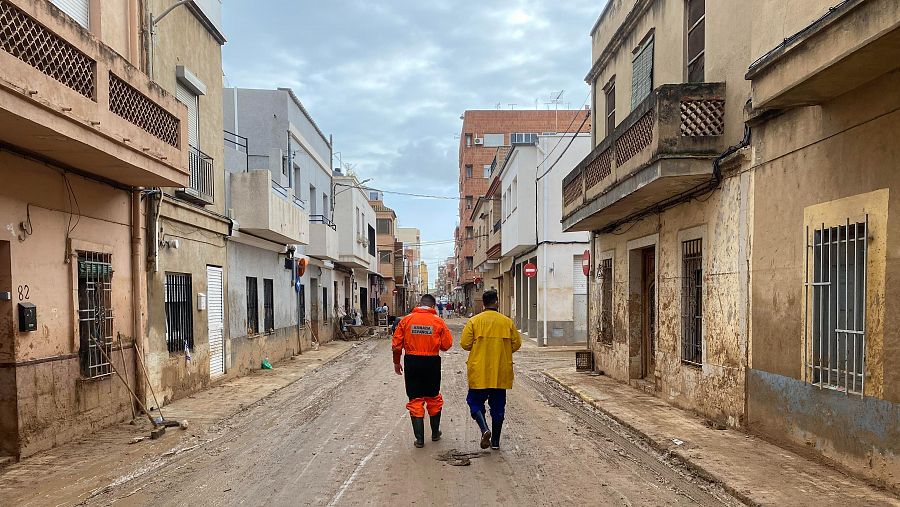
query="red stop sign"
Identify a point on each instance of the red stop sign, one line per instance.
(530, 270)
(586, 263)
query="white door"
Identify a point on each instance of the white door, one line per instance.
(579, 298)
(215, 313)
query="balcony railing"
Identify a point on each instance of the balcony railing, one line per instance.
(202, 189)
(681, 121)
(322, 219)
(497, 225)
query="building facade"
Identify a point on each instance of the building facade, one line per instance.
(357, 245)
(483, 131)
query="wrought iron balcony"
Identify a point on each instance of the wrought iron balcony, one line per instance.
(202, 189)
(66, 96)
(664, 147)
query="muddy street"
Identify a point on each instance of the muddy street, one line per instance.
(341, 436)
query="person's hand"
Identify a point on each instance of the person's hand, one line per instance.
(398, 369)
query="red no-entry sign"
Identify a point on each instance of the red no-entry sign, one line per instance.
(586, 263)
(530, 270)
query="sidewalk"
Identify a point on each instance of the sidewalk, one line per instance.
(750, 468)
(72, 473)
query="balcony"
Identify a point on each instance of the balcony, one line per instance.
(267, 210)
(70, 99)
(323, 238)
(854, 43)
(202, 187)
(663, 148)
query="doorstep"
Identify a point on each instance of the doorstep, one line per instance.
(752, 469)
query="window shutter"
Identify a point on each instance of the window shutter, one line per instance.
(579, 281)
(79, 10)
(642, 74)
(191, 100)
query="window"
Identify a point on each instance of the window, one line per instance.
(470, 261)
(610, 95)
(384, 256)
(522, 138)
(469, 234)
(696, 40)
(468, 170)
(95, 316)
(642, 72)
(312, 201)
(468, 140)
(252, 306)
(493, 140)
(514, 194)
(192, 101)
(79, 10)
(371, 241)
(374, 196)
(838, 350)
(384, 226)
(606, 290)
(269, 304)
(325, 206)
(468, 202)
(179, 312)
(486, 171)
(692, 301)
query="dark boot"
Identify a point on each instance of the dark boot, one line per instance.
(436, 427)
(496, 427)
(418, 424)
(485, 432)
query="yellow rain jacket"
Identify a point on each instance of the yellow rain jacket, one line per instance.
(491, 338)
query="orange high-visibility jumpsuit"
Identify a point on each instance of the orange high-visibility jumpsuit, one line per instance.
(422, 334)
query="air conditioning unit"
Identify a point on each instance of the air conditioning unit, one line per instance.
(479, 141)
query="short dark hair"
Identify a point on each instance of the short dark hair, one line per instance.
(428, 299)
(490, 298)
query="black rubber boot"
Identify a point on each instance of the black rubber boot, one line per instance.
(418, 424)
(485, 432)
(436, 427)
(496, 428)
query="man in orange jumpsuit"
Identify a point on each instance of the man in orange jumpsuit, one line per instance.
(422, 334)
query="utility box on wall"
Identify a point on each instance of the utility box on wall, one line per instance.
(27, 317)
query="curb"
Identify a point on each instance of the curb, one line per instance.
(653, 443)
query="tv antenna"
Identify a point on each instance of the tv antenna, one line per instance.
(556, 99)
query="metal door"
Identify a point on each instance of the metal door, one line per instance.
(648, 313)
(314, 309)
(579, 298)
(215, 314)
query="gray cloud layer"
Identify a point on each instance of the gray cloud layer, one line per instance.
(390, 78)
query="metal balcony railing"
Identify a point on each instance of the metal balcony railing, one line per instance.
(202, 183)
(322, 219)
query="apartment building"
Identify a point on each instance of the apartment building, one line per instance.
(390, 257)
(412, 255)
(667, 201)
(824, 359)
(550, 307)
(486, 218)
(83, 130)
(483, 131)
(357, 245)
(280, 197)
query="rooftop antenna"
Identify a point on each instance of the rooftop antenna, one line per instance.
(497, 105)
(556, 100)
(512, 105)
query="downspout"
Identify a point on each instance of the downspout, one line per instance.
(138, 294)
(542, 340)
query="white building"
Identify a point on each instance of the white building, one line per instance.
(551, 307)
(355, 222)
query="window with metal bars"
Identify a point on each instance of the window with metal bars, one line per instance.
(269, 304)
(696, 40)
(179, 312)
(692, 301)
(95, 316)
(836, 260)
(606, 290)
(252, 306)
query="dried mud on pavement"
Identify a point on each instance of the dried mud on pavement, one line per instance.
(341, 436)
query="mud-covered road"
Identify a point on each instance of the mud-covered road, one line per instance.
(341, 436)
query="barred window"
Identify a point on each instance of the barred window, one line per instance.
(95, 316)
(269, 304)
(179, 312)
(692, 301)
(606, 290)
(252, 306)
(836, 356)
(642, 72)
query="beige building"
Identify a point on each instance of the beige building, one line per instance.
(390, 258)
(824, 359)
(84, 130)
(739, 193)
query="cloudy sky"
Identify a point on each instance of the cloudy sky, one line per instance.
(390, 78)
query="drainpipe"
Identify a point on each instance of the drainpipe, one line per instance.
(542, 340)
(138, 294)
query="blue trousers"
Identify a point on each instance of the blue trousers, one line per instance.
(496, 399)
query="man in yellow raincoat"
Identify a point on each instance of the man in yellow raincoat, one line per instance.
(491, 338)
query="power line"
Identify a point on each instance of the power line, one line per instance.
(572, 140)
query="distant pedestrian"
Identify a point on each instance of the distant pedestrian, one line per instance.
(491, 338)
(423, 335)
(440, 308)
